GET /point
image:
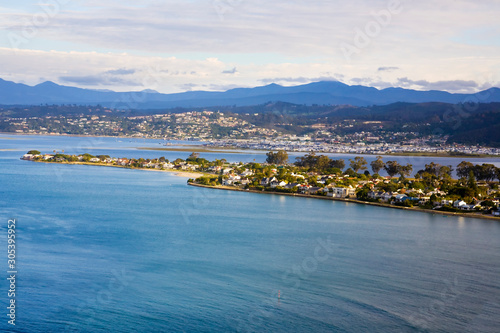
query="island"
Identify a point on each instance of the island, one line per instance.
(474, 194)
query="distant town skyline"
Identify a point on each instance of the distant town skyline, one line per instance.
(173, 46)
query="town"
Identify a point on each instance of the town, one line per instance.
(476, 192)
(219, 129)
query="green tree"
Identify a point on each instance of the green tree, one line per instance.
(464, 168)
(322, 163)
(405, 170)
(392, 168)
(359, 163)
(34, 152)
(471, 182)
(279, 158)
(377, 165)
(338, 164)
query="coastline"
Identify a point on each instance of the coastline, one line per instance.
(195, 175)
(238, 150)
(377, 204)
(181, 173)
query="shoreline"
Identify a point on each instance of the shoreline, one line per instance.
(195, 175)
(376, 204)
(178, 173)
(231, 150)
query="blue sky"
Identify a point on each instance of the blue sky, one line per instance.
(173, 46)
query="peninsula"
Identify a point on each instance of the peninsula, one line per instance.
(475, 194)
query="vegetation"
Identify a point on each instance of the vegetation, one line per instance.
(433, 187)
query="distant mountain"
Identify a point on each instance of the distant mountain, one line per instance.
(322, 93)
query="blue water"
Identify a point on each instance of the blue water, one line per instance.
(117, 250)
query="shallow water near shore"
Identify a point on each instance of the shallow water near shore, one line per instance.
(111, 249)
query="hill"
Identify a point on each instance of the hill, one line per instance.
(317, 93)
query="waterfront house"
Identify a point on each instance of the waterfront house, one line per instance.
(122, 161)
(387, 196)
(310, 189)
(445, 202)
(459, 203)
(277, 183)
(28, 157)
(292, 185)
(401, 197)
(341, 192)
(496, 213)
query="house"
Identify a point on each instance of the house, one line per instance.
(341, 192)
(28, 157)
(227, 171)
(247, 173)
(310, 189)
(468, 207)
(297, 175)
(496, 213)
(292, 185)
(95, 160)
(168, 165)
(277, 183)
(401, 197)
(264, 181)
(122, 161)
(375, 195)
(387, 196)
(459, 203)
(215, 169)
(423, 200)
(445, 202)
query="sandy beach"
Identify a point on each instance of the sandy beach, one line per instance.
(193, 175)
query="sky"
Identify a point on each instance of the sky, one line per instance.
(173, 46)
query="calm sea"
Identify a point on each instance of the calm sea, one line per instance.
(117, 250)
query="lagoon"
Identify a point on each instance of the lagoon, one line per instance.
(110, 249)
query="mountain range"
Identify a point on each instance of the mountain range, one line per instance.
(321, 93)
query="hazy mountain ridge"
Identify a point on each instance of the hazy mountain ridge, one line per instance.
(322, 93)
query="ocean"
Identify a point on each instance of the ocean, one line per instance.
(118, 250)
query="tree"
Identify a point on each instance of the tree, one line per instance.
(392, 168)
(34, 152)
(280, 157)
(485, 172)
(471, 182)
(359, 163)
(405, 170)
(322, 162)
(464, 168)
(377, 165)
(339, 164)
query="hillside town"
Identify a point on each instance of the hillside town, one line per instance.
(477, 190)
(217, 129)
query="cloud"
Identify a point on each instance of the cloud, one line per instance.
(297, 79)
(96, 80)
(230, 71)
(451, 85)
(121, 71)
(387, 69)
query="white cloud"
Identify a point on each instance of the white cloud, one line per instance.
(430, 41)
